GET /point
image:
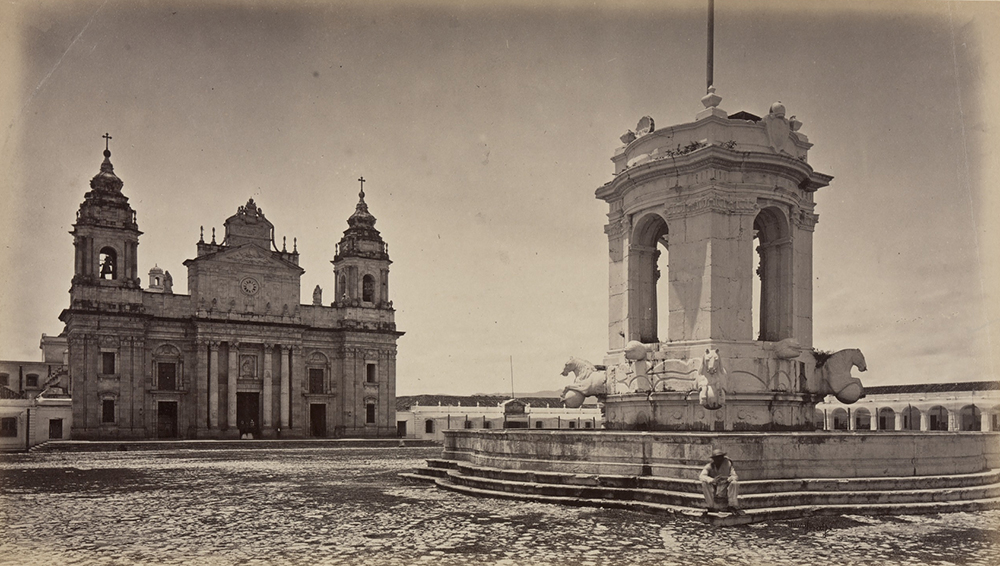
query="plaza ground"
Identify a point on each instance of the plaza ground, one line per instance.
(348, 506)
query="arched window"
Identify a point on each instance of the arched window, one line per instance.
(937, 418)
(819, 419)
(429, 426)
(368, 289)
(911, 418)
(862, 419)
(886, 419)
(108, 263)
(649, 280)
(971, 418)
(840, 419)
(342, 291)
(773, 285)
(539, 424)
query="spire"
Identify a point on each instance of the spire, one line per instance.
(361, 217)
(106, 180)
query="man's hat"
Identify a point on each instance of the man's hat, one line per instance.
(718, 452)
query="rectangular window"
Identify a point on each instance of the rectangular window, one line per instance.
(108, 363)
(8, 427)
(370, 413)
(5, 379)
(371, 373)
(166, 373)
(31, 380)
(315, 380)
(108, 411)
(572, 424)
(538, 424)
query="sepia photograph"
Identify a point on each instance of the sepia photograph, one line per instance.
(512, 282)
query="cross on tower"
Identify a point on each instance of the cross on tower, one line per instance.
(362, 179)
(107, 138)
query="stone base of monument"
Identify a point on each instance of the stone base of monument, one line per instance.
(782, 476)
(674, 410)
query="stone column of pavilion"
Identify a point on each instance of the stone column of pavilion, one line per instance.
(712, 192)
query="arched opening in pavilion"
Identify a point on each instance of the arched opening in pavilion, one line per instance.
(649, 281)
(773, 284)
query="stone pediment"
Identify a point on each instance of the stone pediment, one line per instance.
(251, 254)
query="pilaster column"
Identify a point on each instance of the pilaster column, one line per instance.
(285, 387)
(899, 420)
(234, 371)
(213, 385)
(296, 367)
(952, 420)
(265, 398)
(201, 387)
(984, 421)
(925, 420)
(827, 420)
(850, 420)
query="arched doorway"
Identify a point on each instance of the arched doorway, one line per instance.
(886, 419)
(862, 419)
(840, 421)
(937, 418)
(970, 418)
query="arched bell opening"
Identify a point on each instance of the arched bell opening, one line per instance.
(108, 263)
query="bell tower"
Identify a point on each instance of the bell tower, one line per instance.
(106, 235)
(361, 264)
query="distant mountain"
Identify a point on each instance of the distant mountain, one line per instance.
(553, 393)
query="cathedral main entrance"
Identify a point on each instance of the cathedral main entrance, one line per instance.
(248, 413)
(166, 419)
(317, 420)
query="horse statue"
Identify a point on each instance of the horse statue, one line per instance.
(589, 380)
(835, 374)
(711, 372)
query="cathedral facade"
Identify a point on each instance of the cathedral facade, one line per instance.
(238, 356)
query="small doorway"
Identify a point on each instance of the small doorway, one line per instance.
(317, 420)
(248, 414)
(401, 429)
(55, 429)
(166, 419)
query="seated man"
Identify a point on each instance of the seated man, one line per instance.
(718, 479)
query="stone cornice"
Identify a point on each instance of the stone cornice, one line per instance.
(799, 172)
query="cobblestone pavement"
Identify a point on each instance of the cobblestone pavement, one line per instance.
(347, 506)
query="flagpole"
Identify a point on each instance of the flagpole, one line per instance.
(711, 45)
(512, 376)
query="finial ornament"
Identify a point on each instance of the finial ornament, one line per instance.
(362, 194)
(201, 236)
(107, 148)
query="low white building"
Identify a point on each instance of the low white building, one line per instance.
(426, 417)
(35, 404)
(967, 406)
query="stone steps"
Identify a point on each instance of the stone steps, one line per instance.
(763, 500)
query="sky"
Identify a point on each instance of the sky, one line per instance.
(482, 130)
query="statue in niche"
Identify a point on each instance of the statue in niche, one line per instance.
(589, 380)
